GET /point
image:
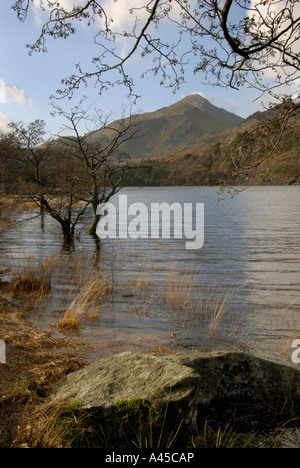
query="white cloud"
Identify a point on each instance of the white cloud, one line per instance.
(13, 94)
(38, 12)
(269, 10)
(125, 12)
(4, 121)
(182, 96)
(121, 14)
(117, 13)
(2, 92)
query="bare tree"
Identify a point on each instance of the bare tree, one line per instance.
(65, 176)
(64, 193)
(26, 143)
(8, 178)
(45, 177)
(29, 156)
(99, 158)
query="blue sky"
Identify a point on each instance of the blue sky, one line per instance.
(27, 82)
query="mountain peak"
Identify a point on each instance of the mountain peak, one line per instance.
(179, 127)
(193, 98)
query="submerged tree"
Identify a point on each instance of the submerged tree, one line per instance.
(27, 150)
(46, 177)
(97, 152)
(64, 193)
(65, 176)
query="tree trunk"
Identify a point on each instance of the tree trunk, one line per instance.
(42, 214)
(68, 233)
(68, 228)
(95, 202)
(93, 226)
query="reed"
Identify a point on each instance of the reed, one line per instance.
(227, 437)
(142, 282)
(87, 302)
(177, 290)
(215, 308)
(218, 310)
(33, 279)
(289, 319)
(198, 301)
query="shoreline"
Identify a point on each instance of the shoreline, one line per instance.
(37, 362)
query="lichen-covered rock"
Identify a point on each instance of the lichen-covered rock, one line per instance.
(189, 385)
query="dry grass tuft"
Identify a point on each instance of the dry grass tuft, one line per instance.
(218, 309)
(34, 280)
(87, 303)
(36, 362)
(179, 290)
(50, 425)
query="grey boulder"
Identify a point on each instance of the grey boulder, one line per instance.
(185, 386)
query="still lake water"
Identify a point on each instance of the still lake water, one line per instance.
(241, 290)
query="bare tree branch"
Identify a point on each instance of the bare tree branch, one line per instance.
(263, 36)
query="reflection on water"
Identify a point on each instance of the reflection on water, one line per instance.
(240, 290)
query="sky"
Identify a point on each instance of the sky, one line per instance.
(27, 82)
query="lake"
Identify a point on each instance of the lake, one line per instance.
(241, 290)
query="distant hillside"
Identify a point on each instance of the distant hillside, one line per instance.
(183, 125)
(203, 165)
(187, 143)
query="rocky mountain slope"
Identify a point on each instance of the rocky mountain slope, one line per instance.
(183, 125)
